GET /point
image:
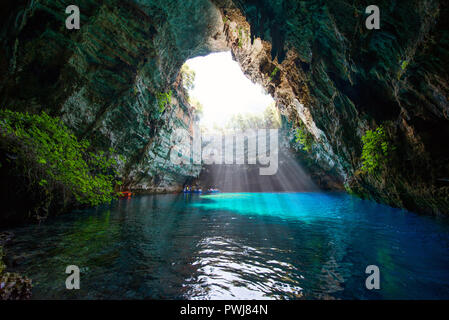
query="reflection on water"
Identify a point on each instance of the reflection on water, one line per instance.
(229, 270)
(237, 246)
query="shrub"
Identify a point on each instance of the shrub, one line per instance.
(304, 139)
(163, 99)
(188, 77)
(273, 74)
(240, 37)
(376, 150)
(53, 158)
(404, 65)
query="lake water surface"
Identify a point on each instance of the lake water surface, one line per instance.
(237, 246)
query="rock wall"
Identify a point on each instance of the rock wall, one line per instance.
(327, 72)
(333, 76)
(104, 79)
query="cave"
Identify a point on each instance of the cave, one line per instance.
(363, 117)
(221, 91)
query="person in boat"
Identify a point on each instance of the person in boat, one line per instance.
(196, 189)
(212, 190)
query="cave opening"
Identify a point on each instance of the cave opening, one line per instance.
(224, 95)
(94, 122)
(235, 115)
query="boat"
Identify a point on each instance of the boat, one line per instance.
(212, 191)
(193, 191)
(190, 190)
(125, 194)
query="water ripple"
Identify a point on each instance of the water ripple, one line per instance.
(236, 246)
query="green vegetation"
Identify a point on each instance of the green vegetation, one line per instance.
(376, 150)
(274, 73)
(55, 161)
(197, 106)
(304, 139)
(163, 99)
(404, 65)
(348, 188)
(270, 119)
(240, 37)
(188, 77)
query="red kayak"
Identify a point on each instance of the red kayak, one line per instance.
(126, 194)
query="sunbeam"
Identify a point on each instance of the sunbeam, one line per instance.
(232, 104)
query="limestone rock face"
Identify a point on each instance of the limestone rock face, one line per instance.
(333, 76)
(104, 79)
(328, 74)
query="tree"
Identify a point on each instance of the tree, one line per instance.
(188, 77)
(272, 117)
(197, 106)
(269, 119)
(376, 150)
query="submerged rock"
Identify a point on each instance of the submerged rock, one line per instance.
(14, 287)
(5, 237)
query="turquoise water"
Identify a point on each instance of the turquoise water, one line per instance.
(237, 246)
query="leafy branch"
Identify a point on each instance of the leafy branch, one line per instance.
(54, 158)
(304, 139)
(376, 150)
(163, 99)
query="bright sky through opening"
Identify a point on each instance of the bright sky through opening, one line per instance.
(223, 89)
